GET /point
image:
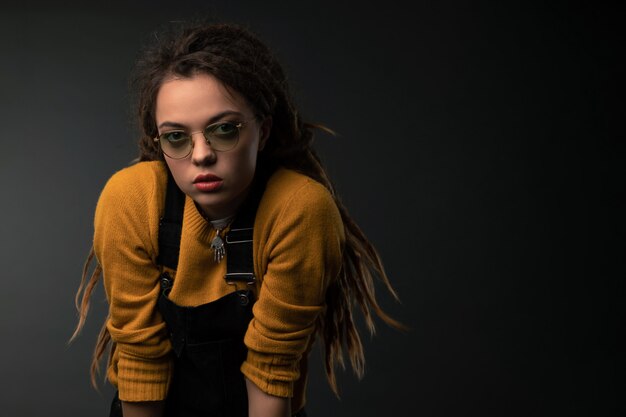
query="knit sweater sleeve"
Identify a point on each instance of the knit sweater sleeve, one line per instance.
(300, 250)
(126, 222)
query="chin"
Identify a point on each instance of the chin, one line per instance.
(215, 205)
(209, 200)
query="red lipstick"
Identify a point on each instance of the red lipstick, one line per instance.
(207, 183)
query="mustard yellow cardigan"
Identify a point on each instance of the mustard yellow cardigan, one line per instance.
(297, 248)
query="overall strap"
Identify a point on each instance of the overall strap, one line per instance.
(239, 258)
(171, 224)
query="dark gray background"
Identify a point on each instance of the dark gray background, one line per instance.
(481, 149)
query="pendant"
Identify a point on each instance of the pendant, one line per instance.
(217, 244)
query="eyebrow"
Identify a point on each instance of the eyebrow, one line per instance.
(211, 120)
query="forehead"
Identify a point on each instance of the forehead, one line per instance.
(195, 99)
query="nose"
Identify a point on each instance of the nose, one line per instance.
(201, 153)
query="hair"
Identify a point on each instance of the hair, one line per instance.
(238, 59)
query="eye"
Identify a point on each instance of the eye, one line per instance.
(225, 130)
(175, 138)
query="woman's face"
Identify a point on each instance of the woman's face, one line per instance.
(217, 181)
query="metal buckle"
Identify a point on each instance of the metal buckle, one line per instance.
(228, 236)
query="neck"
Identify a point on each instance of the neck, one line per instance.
(220, 224)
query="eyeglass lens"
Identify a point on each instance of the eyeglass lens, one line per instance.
(222, 136)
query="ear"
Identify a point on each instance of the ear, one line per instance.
(264, 132)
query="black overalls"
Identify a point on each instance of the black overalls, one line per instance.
(207, 340)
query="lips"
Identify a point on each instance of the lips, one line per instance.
(206, 178)
(207, 183)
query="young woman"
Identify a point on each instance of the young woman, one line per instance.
(224, 251)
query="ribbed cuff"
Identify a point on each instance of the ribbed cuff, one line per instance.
(143, 380)
(273, 374)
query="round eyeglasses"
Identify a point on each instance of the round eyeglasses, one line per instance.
(220, 136)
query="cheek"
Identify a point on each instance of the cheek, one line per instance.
(252, 156)
(246, 160)
(251, 160)
(171, 165)
(176, 168)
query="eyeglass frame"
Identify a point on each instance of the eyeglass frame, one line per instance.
(238, 125)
